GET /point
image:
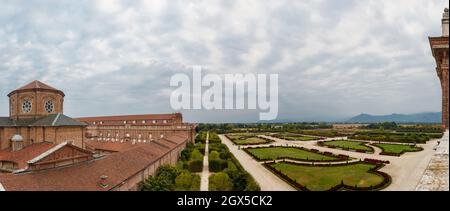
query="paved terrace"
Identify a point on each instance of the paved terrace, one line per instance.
(436, 176)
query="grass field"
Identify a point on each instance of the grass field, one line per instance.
(318, 178)
(273, 153)
(397, 148)
(349, 145)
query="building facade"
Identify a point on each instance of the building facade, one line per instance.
(440, 49)
(137, 128)
(41, 149)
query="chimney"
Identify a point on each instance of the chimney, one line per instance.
(17, 143)
(103, 181)
(445, 23)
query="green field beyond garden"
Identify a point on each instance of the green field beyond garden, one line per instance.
(273, 153)
(317, 178)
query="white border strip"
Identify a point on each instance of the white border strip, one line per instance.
(56, 119)
(1, 187)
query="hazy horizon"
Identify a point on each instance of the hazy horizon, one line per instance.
(335, 59)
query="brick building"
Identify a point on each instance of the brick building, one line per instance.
(36, 116)
(42, 149)
(137, 128)
(440, 49)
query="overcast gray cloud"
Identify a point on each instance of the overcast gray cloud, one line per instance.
(335, 58)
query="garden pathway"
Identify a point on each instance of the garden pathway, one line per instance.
(204, 185)
(266, 180)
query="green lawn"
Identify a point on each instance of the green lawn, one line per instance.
(273, 153)
(397, 148)
(294, 137)
(318, 178)
(250, 141)
(349, 145)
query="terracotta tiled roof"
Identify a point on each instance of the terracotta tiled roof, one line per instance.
(21, 157)
(168, 142)
(118, 167)
(109, 146)
(36, 85)
(129, 117)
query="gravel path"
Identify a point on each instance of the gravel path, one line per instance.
(204, 185)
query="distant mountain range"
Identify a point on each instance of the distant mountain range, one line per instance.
(429, 117)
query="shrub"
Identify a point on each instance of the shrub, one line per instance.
(252, 185)
(187, 182)
(163, 180)
(220, 182)
(214, 155)
(217, 165)
(195, 166)
(196, 155)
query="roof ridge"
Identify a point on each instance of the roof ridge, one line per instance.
(48, 152)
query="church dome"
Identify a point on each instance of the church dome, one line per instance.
(36, 86)
(35, 100)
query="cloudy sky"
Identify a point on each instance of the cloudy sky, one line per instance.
(335, 59)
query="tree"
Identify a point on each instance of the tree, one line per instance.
(185, 182)
(157, 184)
(220, 182)
(163, 180)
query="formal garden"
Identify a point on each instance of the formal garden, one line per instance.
(323, 133)
(227, 172)
(348, 145)
(247, 139)
(294, 137)
(389, 136)
(397, 149)
(293, 153)
(361, 176)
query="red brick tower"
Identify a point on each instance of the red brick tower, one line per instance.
(439, 46)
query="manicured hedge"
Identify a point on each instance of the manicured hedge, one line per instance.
(217, 165)
(196, 166)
